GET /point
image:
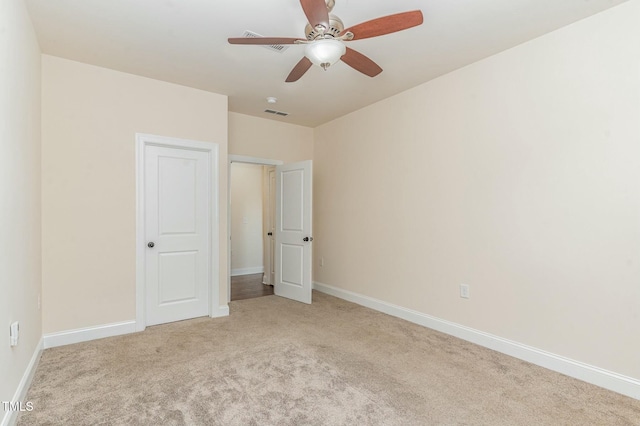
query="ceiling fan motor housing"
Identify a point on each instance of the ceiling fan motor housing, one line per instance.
(335, 28)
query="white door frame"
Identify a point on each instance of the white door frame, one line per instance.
(247, 160)
(143, 140)
(268, 223)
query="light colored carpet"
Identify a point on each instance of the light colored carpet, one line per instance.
(278, 362)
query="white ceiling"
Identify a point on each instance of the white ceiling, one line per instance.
(185, 42)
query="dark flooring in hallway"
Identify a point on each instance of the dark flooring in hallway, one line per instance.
(249, 287)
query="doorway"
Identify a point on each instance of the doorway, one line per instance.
(176, 230)
(293, 228)
(252, 211)
(251, 268)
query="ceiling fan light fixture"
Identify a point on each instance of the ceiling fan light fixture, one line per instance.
(325, 52)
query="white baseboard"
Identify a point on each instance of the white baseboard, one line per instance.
(247, 271)
(222, 311)
(10, 417)
(606, 379)
(89, 333)
(86, 334)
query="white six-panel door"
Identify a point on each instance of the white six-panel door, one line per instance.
(177, 221)
(293, 231)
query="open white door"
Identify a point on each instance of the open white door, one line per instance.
(293, 231)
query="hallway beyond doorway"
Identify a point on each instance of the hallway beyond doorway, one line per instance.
(249, 287)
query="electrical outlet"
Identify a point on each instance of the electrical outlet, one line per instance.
(465, 292)
(39, 302)
(14, 333)
(322, 262)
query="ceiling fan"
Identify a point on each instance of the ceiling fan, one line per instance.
(326, 36)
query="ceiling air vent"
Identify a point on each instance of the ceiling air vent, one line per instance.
(271, 111)
(274, 47)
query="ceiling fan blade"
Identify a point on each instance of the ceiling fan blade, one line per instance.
(263, 40)
(385, 25)
(299, 70)
(316, 11)
(359, 62)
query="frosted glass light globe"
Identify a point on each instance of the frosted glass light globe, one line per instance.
(325, 52)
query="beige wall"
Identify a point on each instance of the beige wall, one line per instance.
(90, 118)
(246, 217)
(269, 139)
(518, 175)
(20, 281)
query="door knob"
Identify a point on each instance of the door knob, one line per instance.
(306, 239)
(151, 244)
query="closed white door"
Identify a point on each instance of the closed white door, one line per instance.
(293, 231)
(177, 220)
